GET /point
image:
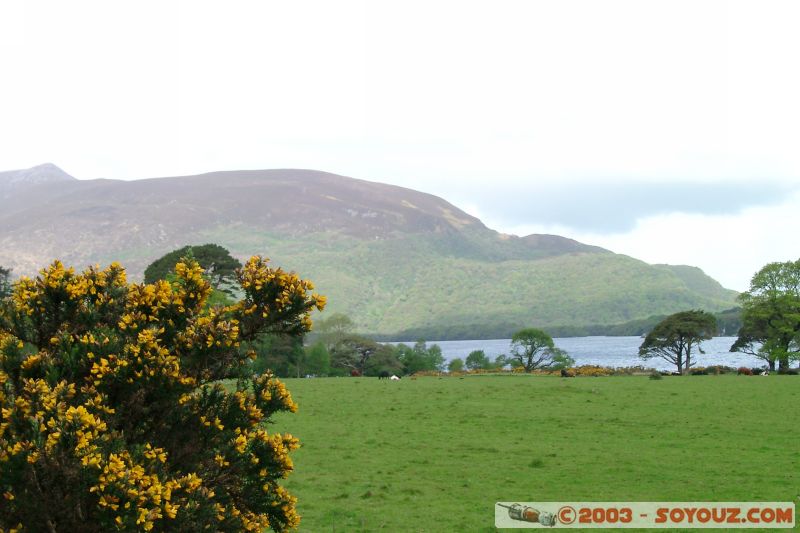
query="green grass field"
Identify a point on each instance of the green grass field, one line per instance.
(435, 454)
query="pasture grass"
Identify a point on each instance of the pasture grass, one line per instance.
(435, 454)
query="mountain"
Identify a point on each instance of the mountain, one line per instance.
(400, 262)
(13, 180)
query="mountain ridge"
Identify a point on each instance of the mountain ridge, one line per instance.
(394, 258)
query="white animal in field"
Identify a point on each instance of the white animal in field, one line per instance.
(765, 373)
(394, 378)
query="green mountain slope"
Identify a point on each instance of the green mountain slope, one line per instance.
(418, 286)
(400, 262)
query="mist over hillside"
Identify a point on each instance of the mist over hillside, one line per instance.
(397, 260)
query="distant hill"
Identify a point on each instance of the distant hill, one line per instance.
(399, 261)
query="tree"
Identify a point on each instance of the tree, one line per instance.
(420, 358)
(113, 416)
(353, 352)
(217, 263)
(562, 361)
(283, 355)
(533, 349)
(771, 315)
(383, 360)
(477, 360)
(751, 340)
(5, 282)
(317, 360)
(333, 329)
(674, 338)
(455, 365)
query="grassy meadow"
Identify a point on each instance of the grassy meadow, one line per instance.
(435, 454)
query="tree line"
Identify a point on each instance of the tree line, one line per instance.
(769, 331)
(729, 321)
(767, 324)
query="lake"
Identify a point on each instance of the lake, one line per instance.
(606, 351)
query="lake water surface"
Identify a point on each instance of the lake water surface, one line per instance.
(606, 351)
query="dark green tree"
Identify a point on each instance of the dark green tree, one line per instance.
(675, 338)
(354, 353)
(534, 349)
(383, 360)
(771, 315)
(5, 282)
(219, 266)
(751, 340)
(421, 358)
(477, 360)
(281, 354)
(317, 360)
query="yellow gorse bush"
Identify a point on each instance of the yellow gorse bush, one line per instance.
(113, 417)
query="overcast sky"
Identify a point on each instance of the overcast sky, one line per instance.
(668, 131)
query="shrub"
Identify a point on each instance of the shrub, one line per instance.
(455, 366)
(636, 370)
(593, 370)
(744, 371)
(720, 369)
(113, 417)
(656, 376)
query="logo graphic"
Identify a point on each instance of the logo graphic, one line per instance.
(520, 512)
(649, 515)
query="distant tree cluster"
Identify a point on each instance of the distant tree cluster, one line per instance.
(338, 351)
(477, 360)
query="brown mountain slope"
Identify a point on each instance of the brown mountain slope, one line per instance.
(86, 221)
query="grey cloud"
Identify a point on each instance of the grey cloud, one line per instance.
(613, 208)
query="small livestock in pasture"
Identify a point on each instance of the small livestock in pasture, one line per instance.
(383, 375)
(394, 378)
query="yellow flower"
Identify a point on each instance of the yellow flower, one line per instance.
(240, 443)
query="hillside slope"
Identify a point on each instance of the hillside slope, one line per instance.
(395, 259)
